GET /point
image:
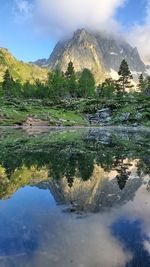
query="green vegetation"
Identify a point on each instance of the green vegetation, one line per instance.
(125, 77)
(29, 159)
(69, 98)
(19, 70)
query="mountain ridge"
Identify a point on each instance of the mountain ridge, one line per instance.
(101, 53)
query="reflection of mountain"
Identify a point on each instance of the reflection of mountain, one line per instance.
(99, 192)
(79, 165)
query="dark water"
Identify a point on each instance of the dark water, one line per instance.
(78, 198)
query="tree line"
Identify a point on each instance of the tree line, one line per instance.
(70, 84)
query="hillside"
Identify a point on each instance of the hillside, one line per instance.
(97, 52)
(18, 69)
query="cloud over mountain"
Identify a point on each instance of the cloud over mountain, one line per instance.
(60, 17)
(140, 36)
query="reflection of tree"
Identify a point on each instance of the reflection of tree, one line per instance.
(122, 178)
(71, 157)
(20, 177)
(123, 173)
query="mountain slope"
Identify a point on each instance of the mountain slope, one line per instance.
(18, 69)
(101, 54)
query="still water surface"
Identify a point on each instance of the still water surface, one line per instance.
(74, 198)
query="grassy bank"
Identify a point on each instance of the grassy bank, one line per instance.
(73, 112)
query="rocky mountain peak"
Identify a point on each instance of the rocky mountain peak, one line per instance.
(100, 53)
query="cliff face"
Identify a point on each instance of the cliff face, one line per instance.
(97, 52)
(83, 50)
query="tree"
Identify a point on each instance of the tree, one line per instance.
(8, 83)
(86, 86)
(141, 84)
(71, 79)
(40, 91)
(58, 84)
(55, 85)
(107, 89)
(147, 82)
(28, 90)
(70, 70)
(125, 77)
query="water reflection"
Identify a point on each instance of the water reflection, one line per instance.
(100, 179)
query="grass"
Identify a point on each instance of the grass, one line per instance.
(72, 112)
(15, 114)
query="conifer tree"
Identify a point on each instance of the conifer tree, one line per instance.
(70, 70)
(58, 84)
(86, 84)
(8, 83)
(71, 79)
(147, 82)
(125, 77)
(141, 84)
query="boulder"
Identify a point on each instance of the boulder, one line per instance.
(124, 117)
(102, 137)
(103, 113)
(147, 92)
(138, 116)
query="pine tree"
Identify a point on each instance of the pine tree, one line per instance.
(147, 82)
(8, 83)
(141, 84)
(125, 77)
(70, 70)
(107, 88)
(58, 84)
(71, 79)
(86, 87)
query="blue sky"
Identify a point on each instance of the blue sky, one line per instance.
(19, 30)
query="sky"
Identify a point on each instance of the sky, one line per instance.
(31, 28)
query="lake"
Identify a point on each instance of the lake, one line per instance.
(74, 197)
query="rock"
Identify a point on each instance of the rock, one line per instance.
(138, 116)
(102, 116)
(103, 113)
(102, 137)
(134, 125)
(31, 121)
(124, 117)
(147, 92)
(92, 118)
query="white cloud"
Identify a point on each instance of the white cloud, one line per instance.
(61, 17)
(58, 18)
(140, 36)
(23, 6)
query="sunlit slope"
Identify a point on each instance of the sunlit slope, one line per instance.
(18, 69)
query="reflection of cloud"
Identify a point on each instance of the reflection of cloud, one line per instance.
(59, 239)
(147, 246)
(87, 242)
(139, 208)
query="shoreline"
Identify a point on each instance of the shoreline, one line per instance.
(119, 128)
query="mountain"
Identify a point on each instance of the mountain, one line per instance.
(100, 53)
(18, 69)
